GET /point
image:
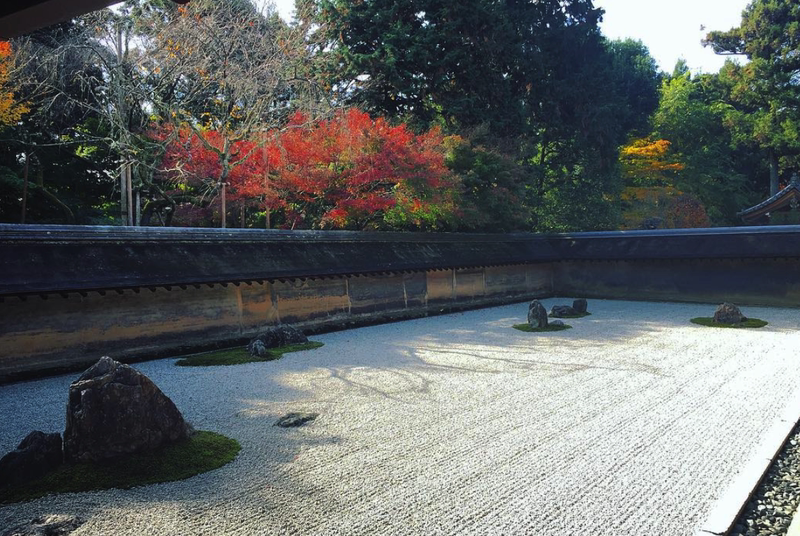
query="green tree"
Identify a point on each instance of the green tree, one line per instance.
(692, 116)
(636, 81)
(53, 161)
(766, 92)
(427, 61)
(552, 94)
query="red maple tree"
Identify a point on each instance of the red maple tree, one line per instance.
(346, 172)
(355, 172)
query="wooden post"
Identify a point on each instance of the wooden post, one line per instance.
(129, 186)
(223, 205)
(123, 194)
(25, 188)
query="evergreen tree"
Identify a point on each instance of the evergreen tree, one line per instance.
(768, 88)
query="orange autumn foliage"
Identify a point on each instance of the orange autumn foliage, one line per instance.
(650, 199)
(347, 172)
(356, 172)
(10, 111)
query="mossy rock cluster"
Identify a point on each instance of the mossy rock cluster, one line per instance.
(576, 315)
(747, 323)
(202, 452)
(238, 356)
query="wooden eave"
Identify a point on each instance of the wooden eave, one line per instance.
(776, 202)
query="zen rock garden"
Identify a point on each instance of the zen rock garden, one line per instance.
(386, 395)
(275, 337)
(112, 410)
(268, 345)
(114, 414)
(728, 315)
(538, 320)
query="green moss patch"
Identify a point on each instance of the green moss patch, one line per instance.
(749, 323)
(202, 452)
(237, 356)
(550, 327)
(576, 315)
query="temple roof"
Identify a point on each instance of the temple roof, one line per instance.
(18, 17)
(790, 195)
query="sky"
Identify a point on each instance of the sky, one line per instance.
(669, 28)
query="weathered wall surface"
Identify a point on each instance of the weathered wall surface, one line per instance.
(71, 294)
(73, 330)
(770, 281)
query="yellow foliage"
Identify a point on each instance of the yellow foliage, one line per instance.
(649, 162)
(644, 147)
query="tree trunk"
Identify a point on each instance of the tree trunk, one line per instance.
(266, 182)
(774, 184)
(68, 214)
(25, 189)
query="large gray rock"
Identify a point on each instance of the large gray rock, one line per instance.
(36, 455)
(275, 337)
(580, 305)
(562, 311)
(537, 315)
(114, 410)
(728, 313)
(50, 525)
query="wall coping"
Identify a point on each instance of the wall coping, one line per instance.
(43, 259)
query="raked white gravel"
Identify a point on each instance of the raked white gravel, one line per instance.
(631, 423)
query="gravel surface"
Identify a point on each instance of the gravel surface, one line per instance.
(770, 509)
(634, 422)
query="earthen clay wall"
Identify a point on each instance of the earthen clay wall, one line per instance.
(62, 332)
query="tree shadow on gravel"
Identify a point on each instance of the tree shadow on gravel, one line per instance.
(507, 364)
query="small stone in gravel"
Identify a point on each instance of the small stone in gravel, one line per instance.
(52, 525)
(556, 323)
(295, 419)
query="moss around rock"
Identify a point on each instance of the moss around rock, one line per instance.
(576, 315)
(748, 323)
(202, 452)
(238, 356)
(549, 327)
